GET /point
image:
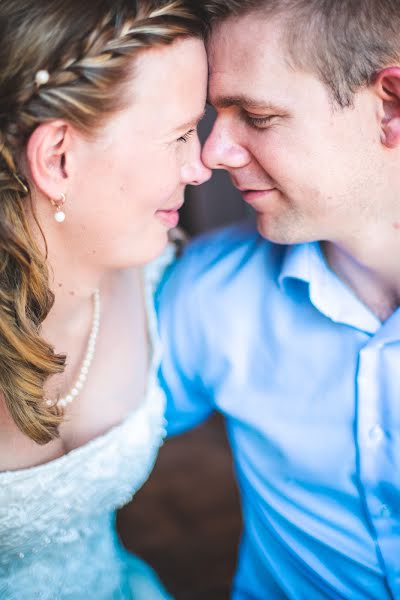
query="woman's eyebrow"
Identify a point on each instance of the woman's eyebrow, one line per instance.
(192, 123)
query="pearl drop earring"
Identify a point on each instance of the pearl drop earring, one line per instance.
(59, 215)
(42, 77)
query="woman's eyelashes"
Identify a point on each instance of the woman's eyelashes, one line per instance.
(185, 138)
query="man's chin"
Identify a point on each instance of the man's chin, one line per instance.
(279, 232)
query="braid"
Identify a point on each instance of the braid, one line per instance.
(104, 59)
(88, 55)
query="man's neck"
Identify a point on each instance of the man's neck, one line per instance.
(375, 280)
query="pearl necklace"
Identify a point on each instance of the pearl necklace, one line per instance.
(84, 370)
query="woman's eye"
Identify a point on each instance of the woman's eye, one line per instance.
(184, 138)
(259, 122)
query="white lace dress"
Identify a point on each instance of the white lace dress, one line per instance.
(57, 520)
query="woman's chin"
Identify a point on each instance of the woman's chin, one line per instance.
(149, 250)
(154, 250)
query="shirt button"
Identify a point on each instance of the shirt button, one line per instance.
(385, 511)
(376, 434)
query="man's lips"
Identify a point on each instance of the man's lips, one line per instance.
(252, 196)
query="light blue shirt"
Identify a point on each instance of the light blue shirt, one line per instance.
(309, 382)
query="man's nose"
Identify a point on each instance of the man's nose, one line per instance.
(222, 151)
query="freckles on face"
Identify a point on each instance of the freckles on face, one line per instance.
(134, 167)
(169, 99)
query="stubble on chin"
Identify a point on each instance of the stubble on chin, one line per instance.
(283, 229)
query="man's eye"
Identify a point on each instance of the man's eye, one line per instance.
(259, 122)
(184, 138)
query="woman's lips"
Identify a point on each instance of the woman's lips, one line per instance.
(170, 218)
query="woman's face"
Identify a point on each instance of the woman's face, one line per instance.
(128, 183)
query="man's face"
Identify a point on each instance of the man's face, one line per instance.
(311, 171)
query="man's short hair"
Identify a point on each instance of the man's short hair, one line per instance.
(344, 42)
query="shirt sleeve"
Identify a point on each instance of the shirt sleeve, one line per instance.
(184, 348)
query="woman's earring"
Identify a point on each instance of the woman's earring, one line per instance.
(59, 215)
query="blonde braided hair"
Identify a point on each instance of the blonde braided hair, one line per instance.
(88, 52)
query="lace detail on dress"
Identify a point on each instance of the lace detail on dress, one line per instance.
(57, 535)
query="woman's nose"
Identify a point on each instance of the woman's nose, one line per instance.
(194, 171)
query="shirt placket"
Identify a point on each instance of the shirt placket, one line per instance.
(378, 456)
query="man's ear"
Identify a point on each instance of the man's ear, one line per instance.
(47, 157)
(387, 86)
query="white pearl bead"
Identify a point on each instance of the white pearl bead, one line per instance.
(83, 373)
(59, 216)
(42, 77)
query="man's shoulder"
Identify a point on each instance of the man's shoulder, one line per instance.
(225, 243)
(219, 258)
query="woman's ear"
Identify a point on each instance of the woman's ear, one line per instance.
(387, 86)
(47, 156)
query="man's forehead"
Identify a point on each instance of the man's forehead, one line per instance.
(248, 35)
(257, 86)
(249, 65)
(244, 52)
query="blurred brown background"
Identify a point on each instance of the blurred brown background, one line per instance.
(185, 521)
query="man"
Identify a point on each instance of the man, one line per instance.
(293, 332)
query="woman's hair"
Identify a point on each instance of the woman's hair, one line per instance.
(343, 42)
(87, 48)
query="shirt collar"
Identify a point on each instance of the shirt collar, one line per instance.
(329, 295)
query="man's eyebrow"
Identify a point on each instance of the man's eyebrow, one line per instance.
(242, 100)
(189, 124)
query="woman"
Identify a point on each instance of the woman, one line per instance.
(99, 103)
